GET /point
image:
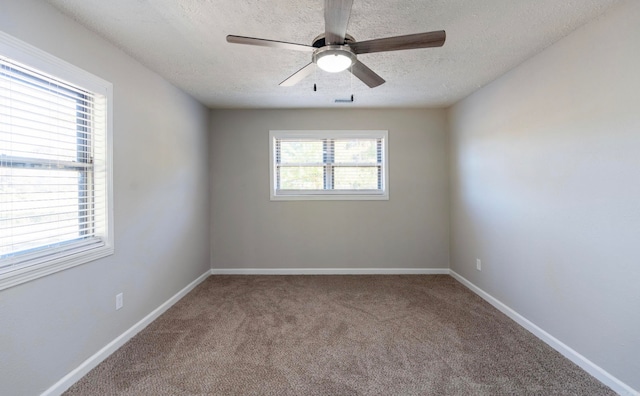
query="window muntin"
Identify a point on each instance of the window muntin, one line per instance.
(328, 165)
(55, 195)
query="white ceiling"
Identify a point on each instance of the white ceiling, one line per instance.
(184, 41)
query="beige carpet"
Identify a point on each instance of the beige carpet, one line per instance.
(335, 335)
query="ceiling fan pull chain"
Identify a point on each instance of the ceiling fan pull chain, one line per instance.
(351, 80)
(315, 78)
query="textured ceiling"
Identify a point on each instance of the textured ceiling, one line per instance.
(184, 41)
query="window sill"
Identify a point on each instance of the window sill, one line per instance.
(56, 263)
(330, 197)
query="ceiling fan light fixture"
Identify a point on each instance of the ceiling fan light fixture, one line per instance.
(334, 63)
(334, 59)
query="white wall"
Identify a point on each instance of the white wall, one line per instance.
(408, 231)
(50, 326)
(545, 189)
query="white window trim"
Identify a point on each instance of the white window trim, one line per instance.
(61, 260)
(328, 195)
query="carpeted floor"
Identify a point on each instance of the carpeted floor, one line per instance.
(335, 335)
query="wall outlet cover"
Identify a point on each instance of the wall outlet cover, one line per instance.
(119, 301)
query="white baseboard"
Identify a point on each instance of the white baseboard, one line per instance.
(330, 271)
(65, 383)
(587, 365)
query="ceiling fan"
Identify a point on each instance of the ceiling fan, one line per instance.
(335, 50)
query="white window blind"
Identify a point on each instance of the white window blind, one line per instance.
(329, 164)
(53, 170)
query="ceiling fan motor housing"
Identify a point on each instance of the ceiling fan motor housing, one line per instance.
(320, 41)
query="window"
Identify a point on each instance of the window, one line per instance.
(328, 165)
(55, 182)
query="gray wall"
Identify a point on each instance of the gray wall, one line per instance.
(408, 231)
(50, 326)
(545, 189)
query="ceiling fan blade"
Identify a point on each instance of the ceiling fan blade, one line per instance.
(366, 75)
(299, 75)
(336, 18)
(410, 41)
(269, 43)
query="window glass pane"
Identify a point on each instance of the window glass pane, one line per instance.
(328, 165)
(360, 151)
(35, 122)
(55, 181)
(301, 178)
(355, 178)
(38, 208)
(301, 152)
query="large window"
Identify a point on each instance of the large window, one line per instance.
(328, 165)
(54, 164)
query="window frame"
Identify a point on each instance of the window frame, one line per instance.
(42, 263)
(328, 194)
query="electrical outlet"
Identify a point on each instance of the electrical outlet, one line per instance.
(119, 301)
(478, 264)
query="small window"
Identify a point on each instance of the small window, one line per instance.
(329, 165)
(55, 196)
